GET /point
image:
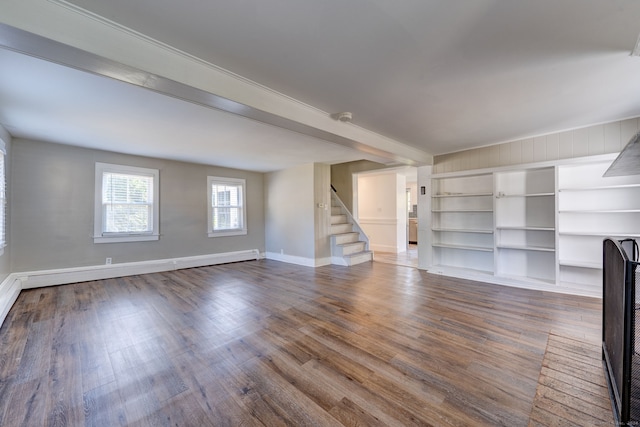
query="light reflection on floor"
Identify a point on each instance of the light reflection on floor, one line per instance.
(408, 258)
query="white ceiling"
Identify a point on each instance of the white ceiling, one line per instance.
(439, 75)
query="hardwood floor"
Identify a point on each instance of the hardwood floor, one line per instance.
(267, 343)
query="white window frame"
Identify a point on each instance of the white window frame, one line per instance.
(3, 196)
(101, 237)
(211, 180)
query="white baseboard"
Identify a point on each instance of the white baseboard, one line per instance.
(9, 290)
(298, 260)
(41, 278)
(513, 282)
(11, 286)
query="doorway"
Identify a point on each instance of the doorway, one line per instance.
(392, 196)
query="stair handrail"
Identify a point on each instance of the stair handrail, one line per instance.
(363, 236)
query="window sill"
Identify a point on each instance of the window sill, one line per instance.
(124, 239)
(227, 233)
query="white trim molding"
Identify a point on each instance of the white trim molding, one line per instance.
(378, 221)
(298, 260)
(9, 290)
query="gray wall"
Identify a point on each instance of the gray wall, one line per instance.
(322, 215)
(298, 214)
(289, 212)
(52, 201)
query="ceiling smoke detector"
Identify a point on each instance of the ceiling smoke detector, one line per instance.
(345, 116)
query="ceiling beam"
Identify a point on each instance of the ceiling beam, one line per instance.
(37, 46)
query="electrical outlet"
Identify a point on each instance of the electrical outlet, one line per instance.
(108, 261)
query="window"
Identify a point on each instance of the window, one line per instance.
(126, 204)
(226, 198)
(3, 198)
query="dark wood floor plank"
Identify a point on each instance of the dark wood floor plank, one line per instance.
(36, 355)
(350, 414)
(13, 341)
(291, 405)
(26, 405)
(378, 406)
(206, 389)
(65, 398)
(291, 371)
(264, 343)
(103, 406)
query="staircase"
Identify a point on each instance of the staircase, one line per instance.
(349, 244)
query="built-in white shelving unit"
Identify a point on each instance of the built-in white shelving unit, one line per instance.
(525, 224)
(590, 208)
(462, 222)
(542, 224)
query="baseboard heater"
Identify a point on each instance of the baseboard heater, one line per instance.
(621, 328)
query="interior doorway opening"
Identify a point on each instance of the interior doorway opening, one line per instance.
(385, 204)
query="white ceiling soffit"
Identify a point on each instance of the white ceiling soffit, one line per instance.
(440, 75)
(57, 93)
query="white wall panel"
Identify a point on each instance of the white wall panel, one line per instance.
(580, 143)
(612, 137)
(590, 141)
(527, 150)
(516, 152)
(505, 154)
(596, 140)
(566, 145)
(539, 149)
(553, 147)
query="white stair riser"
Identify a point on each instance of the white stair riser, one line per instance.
(338, 219)
(336, 210)
(352, 248)
(340, 239)
(341, 228)
(359, 258)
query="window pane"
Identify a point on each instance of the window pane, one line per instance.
(127, 203)
(226, 218)
(223, 198)
(226, 195)
(119, 188)
(126, 218)
(139, 189)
